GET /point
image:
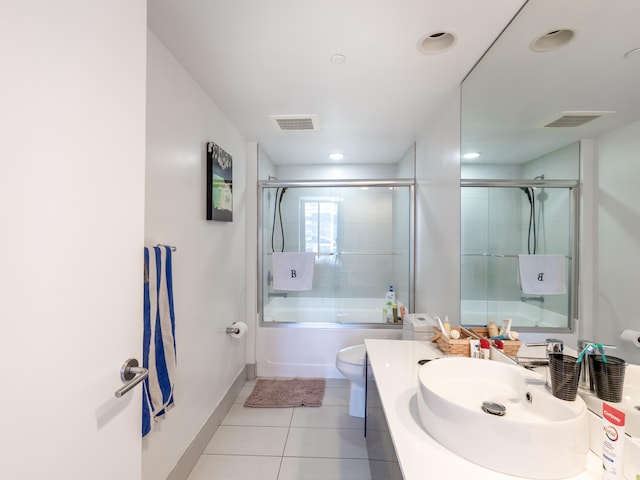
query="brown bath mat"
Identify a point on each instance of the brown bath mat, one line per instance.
(286, 393)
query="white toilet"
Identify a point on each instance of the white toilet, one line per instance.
(350, 362)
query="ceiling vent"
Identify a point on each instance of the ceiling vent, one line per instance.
(295, 123)
(575, 119)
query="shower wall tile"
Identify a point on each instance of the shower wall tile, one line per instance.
(475, 238)
(373, 220)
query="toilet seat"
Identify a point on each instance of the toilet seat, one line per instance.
(352, 355)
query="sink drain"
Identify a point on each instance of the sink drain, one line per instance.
(494, 408)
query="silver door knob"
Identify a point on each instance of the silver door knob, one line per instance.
(132, 374)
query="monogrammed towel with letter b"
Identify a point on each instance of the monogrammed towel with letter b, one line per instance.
(293, 270)
(542, 274)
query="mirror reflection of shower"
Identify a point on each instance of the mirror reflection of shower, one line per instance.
(361, 236)
(502, 220)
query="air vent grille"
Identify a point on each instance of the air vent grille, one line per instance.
(575, 119)
(288, 123)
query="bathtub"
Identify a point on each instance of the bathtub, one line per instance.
(301, 336)
(481, 312)
(324, 310)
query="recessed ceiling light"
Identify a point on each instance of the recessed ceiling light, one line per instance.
(336, 156)
(436, 42)
(471, 155)
(338, 58)
(552, 40)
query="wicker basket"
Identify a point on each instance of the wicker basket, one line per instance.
(453, 347)
(511, 347)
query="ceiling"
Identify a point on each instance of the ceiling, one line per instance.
(515, 91)
(273, 57)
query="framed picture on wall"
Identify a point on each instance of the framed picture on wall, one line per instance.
(219, 184)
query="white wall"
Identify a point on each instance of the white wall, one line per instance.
(336, 172)
(562, 164)
(209, 265)
(618, 227)
(438, 212)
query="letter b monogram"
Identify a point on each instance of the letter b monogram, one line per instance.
(294, 274)
(540, 277)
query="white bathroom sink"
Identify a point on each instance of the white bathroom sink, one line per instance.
(539, 436)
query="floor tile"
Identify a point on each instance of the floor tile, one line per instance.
(265, 417)
(325, 442)
(294, 468)
(386, 470)
(326, 416)
(336, 396)
(380, 446)
(244, 393)
(235, 467)
(376, 419)
(245, 440)
(336, 383)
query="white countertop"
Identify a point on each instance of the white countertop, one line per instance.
(395, 367)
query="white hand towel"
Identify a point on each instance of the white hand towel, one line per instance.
(293, 271)
(542, 274)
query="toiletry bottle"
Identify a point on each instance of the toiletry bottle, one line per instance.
(390, 299)
(394, 308)
(492, 328)
(613, 423)
(391, 295)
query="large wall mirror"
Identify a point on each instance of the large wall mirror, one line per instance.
(560, 73)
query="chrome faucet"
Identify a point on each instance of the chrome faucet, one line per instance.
(553, 347)
(585, 372)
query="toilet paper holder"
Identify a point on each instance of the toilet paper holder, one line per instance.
(237, 329)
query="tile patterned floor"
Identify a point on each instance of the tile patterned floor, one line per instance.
(302, 443)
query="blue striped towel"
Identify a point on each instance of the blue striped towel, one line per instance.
(159, 345)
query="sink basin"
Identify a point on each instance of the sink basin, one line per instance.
(522, 430)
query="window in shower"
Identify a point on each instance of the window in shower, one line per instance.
(501, 220)
(363, 241)
(320, 225)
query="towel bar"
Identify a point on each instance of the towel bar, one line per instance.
(173, 249)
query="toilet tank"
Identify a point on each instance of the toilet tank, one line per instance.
(418, 326)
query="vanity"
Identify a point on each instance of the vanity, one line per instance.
(394, 365)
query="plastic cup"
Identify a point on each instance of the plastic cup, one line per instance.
(608, 377)
(565, 375)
